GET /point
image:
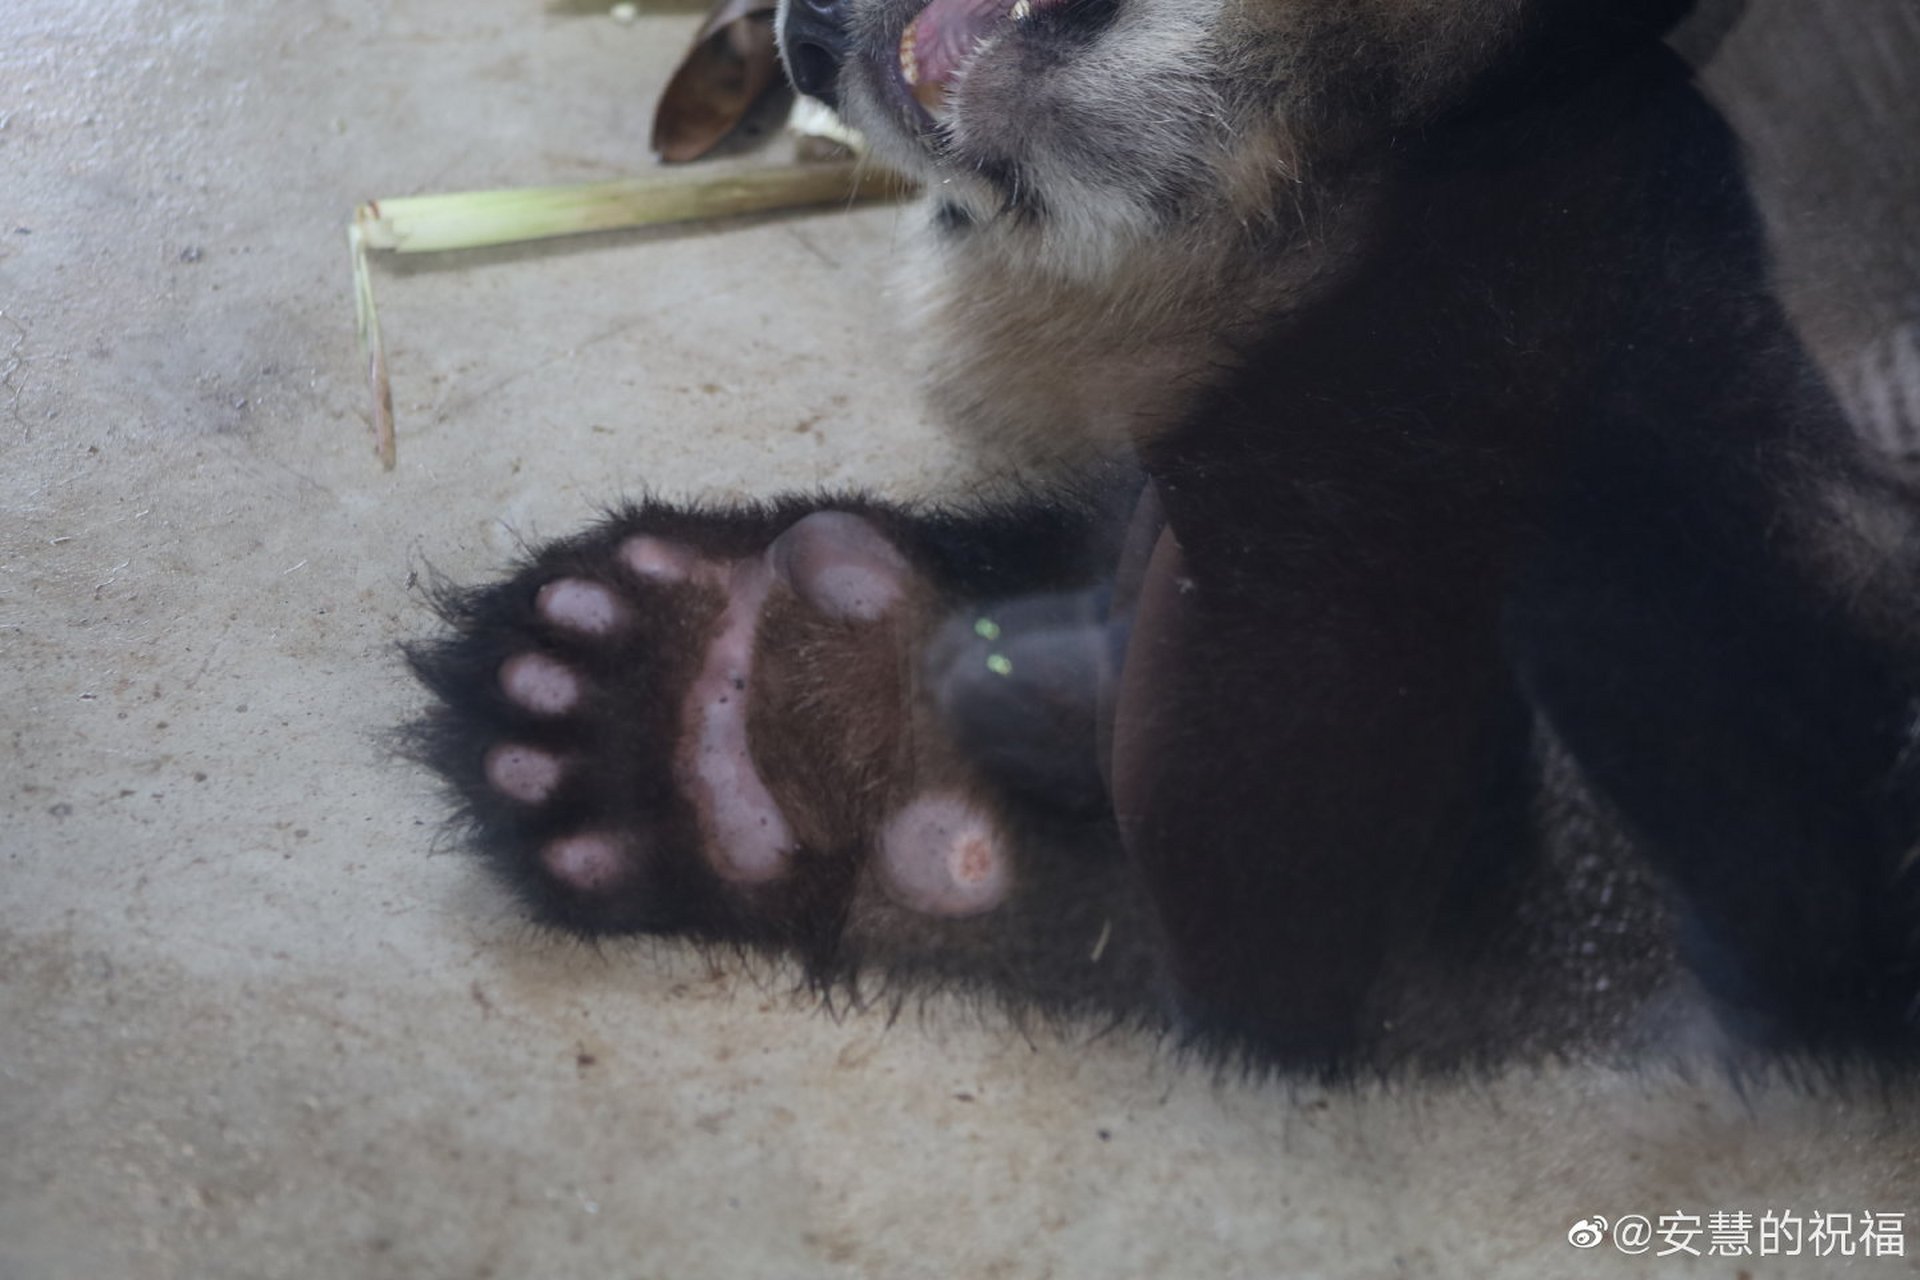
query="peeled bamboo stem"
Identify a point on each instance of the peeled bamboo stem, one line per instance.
(482, 219)
(479, 219)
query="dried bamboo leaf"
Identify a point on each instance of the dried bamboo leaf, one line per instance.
(373, 351)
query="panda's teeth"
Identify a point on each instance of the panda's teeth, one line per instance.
(910, 65)
(1022, 9)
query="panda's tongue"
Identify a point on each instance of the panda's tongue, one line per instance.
(939, 40)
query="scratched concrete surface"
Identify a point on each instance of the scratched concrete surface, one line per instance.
(255, 1021)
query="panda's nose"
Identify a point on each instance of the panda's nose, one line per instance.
(813, 41)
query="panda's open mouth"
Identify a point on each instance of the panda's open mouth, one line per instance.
(943, 37)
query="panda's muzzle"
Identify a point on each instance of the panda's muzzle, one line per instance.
(814, 42)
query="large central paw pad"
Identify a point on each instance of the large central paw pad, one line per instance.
(685, 732)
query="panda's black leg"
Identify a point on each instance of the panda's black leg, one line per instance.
(1756, 738)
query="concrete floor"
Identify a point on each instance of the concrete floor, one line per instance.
(259, 1022)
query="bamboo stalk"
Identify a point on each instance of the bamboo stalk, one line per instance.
(484, 219)
(481, 219)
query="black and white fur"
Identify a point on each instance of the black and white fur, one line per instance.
(1456, 624)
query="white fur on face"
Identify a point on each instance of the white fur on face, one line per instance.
(1135, 191)
(1068, 148)
(1075, 141)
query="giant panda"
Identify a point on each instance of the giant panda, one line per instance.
(1443, 618)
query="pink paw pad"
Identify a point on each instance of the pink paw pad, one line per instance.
(540, 684)
(658, 560)
(522, 773)
(749, 837)
(579, 605)
(839, 564)
(587, 862)
(944, 856)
